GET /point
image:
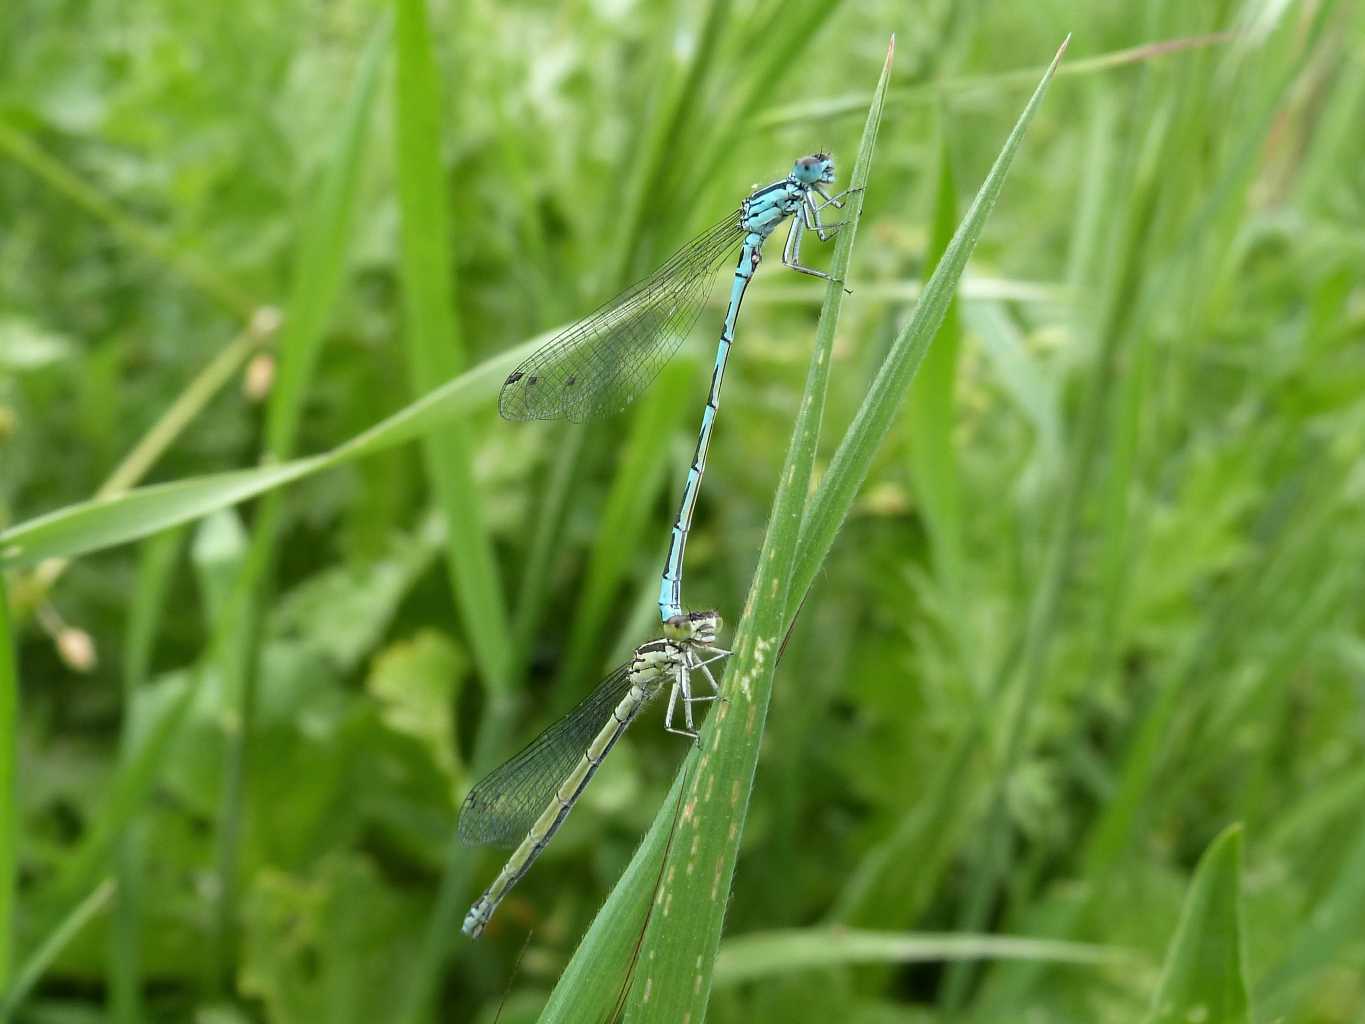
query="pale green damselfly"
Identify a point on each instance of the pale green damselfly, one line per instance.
(528, 798)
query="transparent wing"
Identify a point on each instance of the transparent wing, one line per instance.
(601, 364)
(501, 809)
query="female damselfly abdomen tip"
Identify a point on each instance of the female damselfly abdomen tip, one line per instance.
(475, 920)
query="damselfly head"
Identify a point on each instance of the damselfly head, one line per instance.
(816, 169)
(694, 627)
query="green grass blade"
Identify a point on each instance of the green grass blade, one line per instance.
(432, 339)
(172, 423)
(772, 954)
(321, 263)
(679, 949)
(1205, 974)
(770, 50)
(603, 942)
(931, 415)
(545, 544)
(98, 524)
(1136, 295)
(635, 208)
(32, 969)
(155, 567)
(435, 354)
(898, 877)
(931, 420)
(876, 415)
(592, 983)
(599, 972)
(322, 256)
(806, 111)
(129, 790)
(9, 788)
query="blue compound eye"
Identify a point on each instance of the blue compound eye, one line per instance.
(809, 169)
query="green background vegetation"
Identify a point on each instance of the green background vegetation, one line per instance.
(1097, 602)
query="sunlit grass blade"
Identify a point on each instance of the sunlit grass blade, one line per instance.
(770, 954)
(95, 525)
(187, 406)
(1205, 973)
(31, 970)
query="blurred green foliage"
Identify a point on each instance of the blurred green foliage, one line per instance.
(1025, 709)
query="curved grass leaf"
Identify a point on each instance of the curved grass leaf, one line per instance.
(97, 524)
(1205, 976)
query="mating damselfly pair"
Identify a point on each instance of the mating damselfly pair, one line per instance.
(593, 369)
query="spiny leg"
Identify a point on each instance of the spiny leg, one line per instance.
(791, 252)
(712, 680)
(829, 200)
(700, 663)
(835, 200)
(680, 684)
(672, 707)
(825, 231)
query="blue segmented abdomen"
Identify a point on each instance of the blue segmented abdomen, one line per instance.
(670, 586)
